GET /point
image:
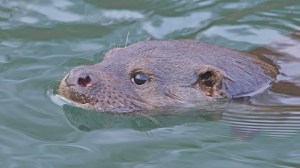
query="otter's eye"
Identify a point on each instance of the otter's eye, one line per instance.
(139, 78)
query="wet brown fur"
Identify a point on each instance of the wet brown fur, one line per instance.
(180, 72)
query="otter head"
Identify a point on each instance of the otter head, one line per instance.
(154, 74)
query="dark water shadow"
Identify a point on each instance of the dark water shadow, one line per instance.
(86, 120)
(245, 121)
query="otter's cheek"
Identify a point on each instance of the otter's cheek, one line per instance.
(186, 94)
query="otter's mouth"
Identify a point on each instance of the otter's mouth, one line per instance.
(80, 98)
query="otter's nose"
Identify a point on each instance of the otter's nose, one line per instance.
(84, 81)
(79, 77)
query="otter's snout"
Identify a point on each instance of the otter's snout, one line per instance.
(94, 88)
(79, 77)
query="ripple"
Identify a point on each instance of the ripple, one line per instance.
(250, 35)
(271, 123)
(58, 100)
(28, 20)
(163, 26)
(5, 13)
(55, 14)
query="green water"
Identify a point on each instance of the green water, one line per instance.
(40, 41)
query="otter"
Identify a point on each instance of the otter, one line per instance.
(153, 74)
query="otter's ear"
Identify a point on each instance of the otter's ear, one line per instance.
(210, 81)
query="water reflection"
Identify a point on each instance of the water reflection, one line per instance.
(86, 120)
(244, 121)
(272, 121)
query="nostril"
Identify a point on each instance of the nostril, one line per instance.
(84, 82)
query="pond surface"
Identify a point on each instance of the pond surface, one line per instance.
(41, 40)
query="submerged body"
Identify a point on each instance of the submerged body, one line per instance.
(152, 74)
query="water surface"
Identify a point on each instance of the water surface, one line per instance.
(42, 40)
